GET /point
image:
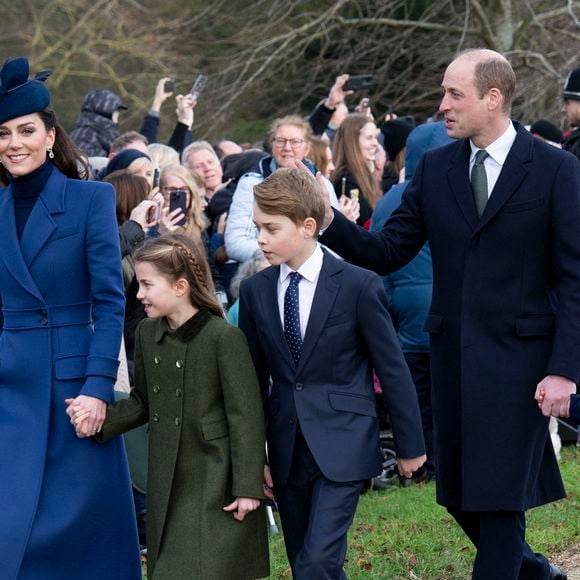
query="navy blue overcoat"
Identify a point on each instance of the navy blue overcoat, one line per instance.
(505, 312)
(65, 503)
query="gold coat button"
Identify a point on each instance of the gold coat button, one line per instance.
(157, 359)
(155, 418)
(179, 364)
(156, 388)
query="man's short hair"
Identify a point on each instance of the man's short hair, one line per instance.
(292, 193)
(125, 139)
(493, 71)
(197, 146)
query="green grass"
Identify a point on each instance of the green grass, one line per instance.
(403, 533)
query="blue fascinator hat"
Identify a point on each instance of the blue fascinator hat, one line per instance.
(18, 95)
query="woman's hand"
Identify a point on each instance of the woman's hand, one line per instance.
(349, 208)
(170, 221)
(242, 506)
(87, 414)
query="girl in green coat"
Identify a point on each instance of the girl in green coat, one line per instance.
(196, 386)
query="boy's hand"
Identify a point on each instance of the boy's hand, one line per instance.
(408, 466)
(268, 483)
(242, 506)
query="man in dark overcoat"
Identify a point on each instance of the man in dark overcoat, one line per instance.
(501, 212)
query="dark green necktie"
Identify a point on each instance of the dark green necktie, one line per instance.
(479, 181)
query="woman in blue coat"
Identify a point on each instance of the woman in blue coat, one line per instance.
(65, 503)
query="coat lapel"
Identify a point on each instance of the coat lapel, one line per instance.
(40, 225)
(458, 177)
(11, 253)
(272, 310)
(512, 174)
(322, 304)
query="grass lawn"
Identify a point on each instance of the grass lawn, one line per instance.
(403, 533)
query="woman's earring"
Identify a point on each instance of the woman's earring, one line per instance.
(50, 153)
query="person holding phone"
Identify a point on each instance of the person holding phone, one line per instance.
(354, 151)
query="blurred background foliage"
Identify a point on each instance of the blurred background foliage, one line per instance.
(268, 58)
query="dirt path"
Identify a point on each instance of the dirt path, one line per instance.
(569, 560)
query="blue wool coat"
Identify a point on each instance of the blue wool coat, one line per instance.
(65, 502)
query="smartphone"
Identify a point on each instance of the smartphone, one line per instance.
(169, 86)
(178, 199)
(154, 213)
(360, 82)
(198, 86)
(155, 178)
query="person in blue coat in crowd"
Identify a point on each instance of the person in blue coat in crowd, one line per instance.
(409, 288)
(65, 503)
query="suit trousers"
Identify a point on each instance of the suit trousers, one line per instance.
(316, 514)
(502, 551)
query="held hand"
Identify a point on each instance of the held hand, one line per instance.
(349, 208)
(160, 94)
(242, 506)
(268, 483)
(140, 214)
(184, 110)
(91, 414)
(337, 94)
(553, 395)
(408, 466)
(169, 220)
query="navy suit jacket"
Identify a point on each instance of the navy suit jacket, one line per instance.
(505, 312)
(330, 391)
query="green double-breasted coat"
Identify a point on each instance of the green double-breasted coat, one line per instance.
(198, 389)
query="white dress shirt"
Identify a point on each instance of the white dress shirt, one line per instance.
(309, 271)
(498, 151)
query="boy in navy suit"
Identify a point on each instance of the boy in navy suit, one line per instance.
(318, 327)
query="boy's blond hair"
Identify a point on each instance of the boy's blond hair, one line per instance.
(292, 193)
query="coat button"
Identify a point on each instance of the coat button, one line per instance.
(179, 364)
(298, 386)
(291, 421)
(155, 418)
(178, 393)
(156, 388)
(43, 317)
(177, 421)
(157, 359)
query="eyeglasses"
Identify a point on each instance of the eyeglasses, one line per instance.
(169, 189)
(294, 143)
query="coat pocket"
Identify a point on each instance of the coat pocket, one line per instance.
(517, 206)
(353, 404)
(70, 367)
(433, 324)
(215, 430)
(535, 325)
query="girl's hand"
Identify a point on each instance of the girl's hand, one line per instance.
(242, 506)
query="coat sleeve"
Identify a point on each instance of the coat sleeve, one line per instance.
(564, 359)
(107, 294)
(388, 361)
(394, 246)
(244, 414)
(133, 412)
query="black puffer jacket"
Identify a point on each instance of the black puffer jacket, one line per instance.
(95, 130)
(572, 143)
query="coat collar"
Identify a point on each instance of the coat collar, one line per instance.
(187, 331)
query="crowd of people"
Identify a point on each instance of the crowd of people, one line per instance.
(431, 267)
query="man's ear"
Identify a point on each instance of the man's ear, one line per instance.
(181, 287)
(494, 99)
(310, 226)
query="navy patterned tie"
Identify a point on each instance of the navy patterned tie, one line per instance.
(292, 317)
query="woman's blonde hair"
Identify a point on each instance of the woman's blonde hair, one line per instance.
(196, 220)
(348, 157)
(177, 256)
(162, 155)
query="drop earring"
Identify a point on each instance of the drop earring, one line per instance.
(50, 153)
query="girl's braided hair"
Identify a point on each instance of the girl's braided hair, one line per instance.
(176, 256)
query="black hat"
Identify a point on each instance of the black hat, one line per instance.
(18, 95)
(123, 159)
(572, 86)
(395, 135)
(547, 131)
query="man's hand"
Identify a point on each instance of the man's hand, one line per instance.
(553, 395)
(408, 466)
(337, 94)
(242, 506)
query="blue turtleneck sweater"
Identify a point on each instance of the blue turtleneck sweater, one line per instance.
(26, 191)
